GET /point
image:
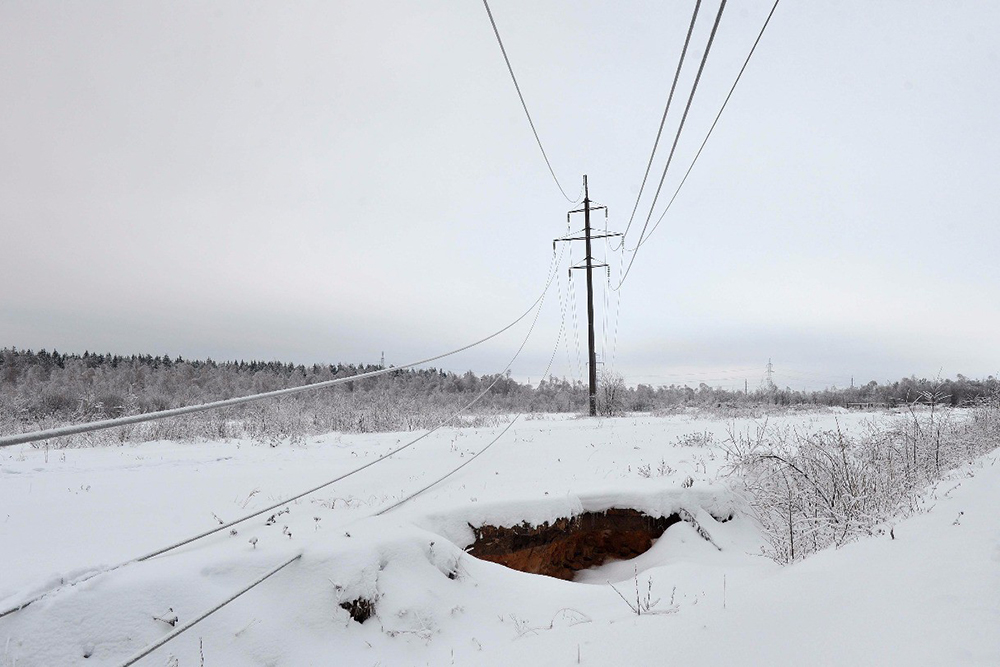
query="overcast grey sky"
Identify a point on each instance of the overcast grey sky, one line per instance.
(322, 181)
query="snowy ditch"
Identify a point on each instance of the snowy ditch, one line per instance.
(567, 546)
(582, 539)
(564, 547)
(561, 548)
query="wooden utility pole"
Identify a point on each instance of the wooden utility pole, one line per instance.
(589, 265)
(590, 300)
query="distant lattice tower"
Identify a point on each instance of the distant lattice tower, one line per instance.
(769, 382)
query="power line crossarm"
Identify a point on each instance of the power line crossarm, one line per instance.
(584, 238)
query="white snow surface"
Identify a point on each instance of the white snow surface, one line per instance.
(928, 596)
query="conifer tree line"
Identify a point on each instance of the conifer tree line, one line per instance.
(41, 389)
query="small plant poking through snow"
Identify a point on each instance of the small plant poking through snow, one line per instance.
(360, 609)
(170, 618)
(246, 502)
(703, 439)
(521, 626)
(644, 603)
(662, 470)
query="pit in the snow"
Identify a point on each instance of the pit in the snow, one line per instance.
(566, 546)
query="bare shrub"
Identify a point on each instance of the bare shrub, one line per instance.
(611, 394)
(697, 439)
(811, 491)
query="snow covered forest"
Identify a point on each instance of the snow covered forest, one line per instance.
(44, 388)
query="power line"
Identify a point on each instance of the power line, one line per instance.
(803, 372)
(205, 614)
(524, 105)
(618, 301)
(568, 299)
(701, 381)
(435, 428)
(714, 123)
(663, 120)
(413, 495)
(21, 438)
(452, 472)
(680, 128)
(152, 647)
(714, 373)
(563, 305)
(576, 328)
(554, 268)
(172, 635)
(604, 311)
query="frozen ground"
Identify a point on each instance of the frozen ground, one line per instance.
(931, 596)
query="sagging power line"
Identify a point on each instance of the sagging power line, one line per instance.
(714, 123)
(524, 105)
(208, 612)
(663, 120)
(545, 374)
(175, 633)
(553, 271)
(646, 235)
(677, 136)
(88, 427)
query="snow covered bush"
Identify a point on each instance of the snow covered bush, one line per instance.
(814, 490)
(611, 394)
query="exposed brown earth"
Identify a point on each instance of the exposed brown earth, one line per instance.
(568, 545)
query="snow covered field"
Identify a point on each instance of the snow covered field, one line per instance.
(930, 596)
